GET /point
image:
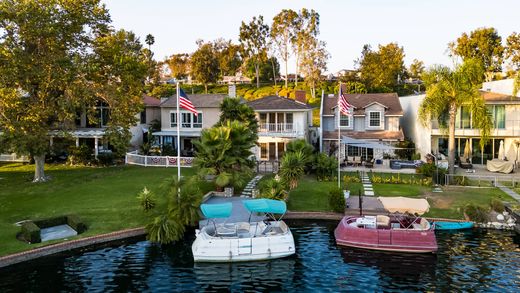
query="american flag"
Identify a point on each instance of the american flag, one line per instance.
(185, 103)
(344, 106)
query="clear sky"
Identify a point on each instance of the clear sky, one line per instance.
(422, 27)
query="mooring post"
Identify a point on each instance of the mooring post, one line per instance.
(360, 203)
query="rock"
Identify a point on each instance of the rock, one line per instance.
(510, 221)
(505, 213)
(500, 217)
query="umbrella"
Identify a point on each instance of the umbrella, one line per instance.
(511, 153)
(501, 153)
(467, 149)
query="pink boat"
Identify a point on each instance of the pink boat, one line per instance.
(400, 231)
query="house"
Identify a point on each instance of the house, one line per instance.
(281, 120)
(374, 118)
(235, 79)
(503, 108)
(151, 114)
(191, 125)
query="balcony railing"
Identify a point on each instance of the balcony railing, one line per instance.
(512, 128)
(286, 128)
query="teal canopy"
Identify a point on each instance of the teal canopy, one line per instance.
(222, 210)
(265, 206)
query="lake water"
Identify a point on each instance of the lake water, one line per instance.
(474, 260)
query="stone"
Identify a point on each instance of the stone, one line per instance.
(505, 213)
(500, 217)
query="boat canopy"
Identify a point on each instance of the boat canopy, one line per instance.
(264, 205)
(222, 210)
(405, 205)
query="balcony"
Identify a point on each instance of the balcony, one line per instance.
(512, 128)
(280, 129)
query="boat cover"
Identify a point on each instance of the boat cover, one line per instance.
(265, 206)
(222, 210)
(405, 205)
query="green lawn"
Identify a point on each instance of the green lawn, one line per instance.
(105, 198)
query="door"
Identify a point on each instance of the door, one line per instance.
(272, 151)
(244, 245)
(384, 237)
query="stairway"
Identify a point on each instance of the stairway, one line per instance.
(367, 185)
(248, 190)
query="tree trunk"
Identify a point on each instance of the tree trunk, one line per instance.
(451, 139)
(206, 88)
(257, 75)
(39, 173)
(286, 70)
(296, 73)
(274, 71)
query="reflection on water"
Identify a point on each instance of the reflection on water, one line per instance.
(474, 260)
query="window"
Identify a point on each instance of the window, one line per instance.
(143, 117)
(498, 115)
(186, 120)
(463, 119)
(173, 119)
(374, 119)
(344, 120)
(263, 151)
(289, 121)
(197, 120)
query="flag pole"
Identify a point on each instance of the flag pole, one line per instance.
(178, 138)
(339, 138)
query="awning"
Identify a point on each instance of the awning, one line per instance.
(405, 205)
(222, 210)
(265, 206)
(366, 144)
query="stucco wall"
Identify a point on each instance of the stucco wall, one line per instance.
(412, 128)
(210, 116)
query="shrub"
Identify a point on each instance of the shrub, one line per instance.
(81, 155)
(353, 179)
(428, 169)
(416, 156)
(292, 168)
(476, 213)
(105, 159)
(336, 200)
(168, 150)
(272, 189)
(325, 167)
(50, 222)
(76, 223)
(497, 205)
(146, 199)
(31, 232)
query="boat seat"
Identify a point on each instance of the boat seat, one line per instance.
(382, 220)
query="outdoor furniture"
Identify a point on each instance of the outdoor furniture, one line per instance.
(501, 166)
(370, 163)
(398, 164)
(357, 161)
(350, 160)
(465, 163)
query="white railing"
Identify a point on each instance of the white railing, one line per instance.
(511, 128)
(13, 158)
(278, 128)
(481, 180)
(133, 158)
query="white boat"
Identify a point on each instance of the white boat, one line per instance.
(243, 241)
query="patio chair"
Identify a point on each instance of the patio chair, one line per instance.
(465, 163)
(357, 161)
(370, 163)
(350, 160)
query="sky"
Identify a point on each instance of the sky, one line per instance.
(422, 27)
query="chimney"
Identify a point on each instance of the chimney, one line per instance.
(232, 91)
(299, 96)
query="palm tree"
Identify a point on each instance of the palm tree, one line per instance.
(446, 91)
(292, 168)
(233, 109)
(149, 40)
(301, 145)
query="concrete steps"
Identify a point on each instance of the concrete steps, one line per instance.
(367, 184)
(248, 190)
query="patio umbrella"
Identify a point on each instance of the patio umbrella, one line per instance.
(467, 150)
(501, 153)
(511, 153)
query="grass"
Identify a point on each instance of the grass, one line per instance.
(105, 198)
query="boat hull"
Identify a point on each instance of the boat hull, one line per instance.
(397, 240)
(453, 225)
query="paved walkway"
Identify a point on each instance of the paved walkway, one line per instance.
(510, 192)
(248, 190)
(367, 184)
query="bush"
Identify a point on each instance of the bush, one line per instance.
(81, 155)
(336, 200)
(50, 222)
(325, 167)
(272, 189)
(76, 223)
(476, 213)
(428, 169)
(31, 232)
(497, 205)
(146, 200)
(105, 159)
(168, 150)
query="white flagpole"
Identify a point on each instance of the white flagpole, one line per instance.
(178, 137)
(339, 138)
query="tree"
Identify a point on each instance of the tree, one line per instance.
(305, 42)
(149, 40)
(303, 147)
(416, 69)
(228, 55)
(446, 91)
(314, 63)
(292, 168)
(178, 65)
(483, 44)
(204, 64)
(381, 70)
(283, 34)
(266, 70)
(512, 50)
(253, 37)
(59, 58)
(353, 87)
(225, 151)
(233, 109)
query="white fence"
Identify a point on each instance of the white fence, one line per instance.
(481, 180)
(133, 158)
(13, 158)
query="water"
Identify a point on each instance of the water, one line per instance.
(475, 260)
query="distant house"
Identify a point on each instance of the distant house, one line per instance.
(281, 120)
(503, 108)
(236, 79)
(191, 125)
(375, 118)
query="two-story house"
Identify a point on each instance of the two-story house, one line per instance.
(191, 125)
(374, 118)
(150, 114)
(281, 120)
(504, 110)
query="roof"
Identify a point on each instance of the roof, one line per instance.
(265, 206)
(497, 97)
(375, 134)
(360, 101)
(222, 210)
(277, 103)
(405, 205)
(198, 100)
(151, 101)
